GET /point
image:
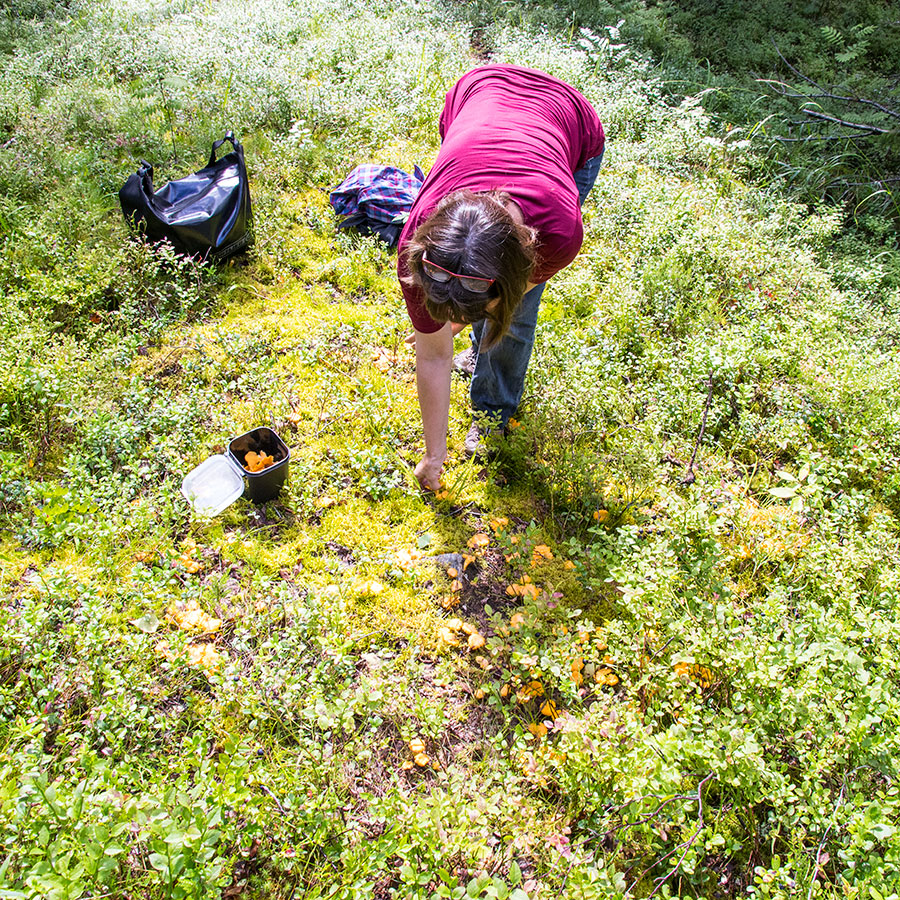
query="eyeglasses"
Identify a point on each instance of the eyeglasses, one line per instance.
(470, 282)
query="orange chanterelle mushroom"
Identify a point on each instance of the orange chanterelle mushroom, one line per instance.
(256, 462)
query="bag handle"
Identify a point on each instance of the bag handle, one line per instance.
(229, 136)
(145, 176)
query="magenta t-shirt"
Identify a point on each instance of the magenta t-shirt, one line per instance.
(516, 130)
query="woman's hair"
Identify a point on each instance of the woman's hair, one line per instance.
(473, 234)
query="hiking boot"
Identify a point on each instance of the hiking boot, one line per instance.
(464, 362)
(477, 439)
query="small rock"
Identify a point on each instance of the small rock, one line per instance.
(447, 561)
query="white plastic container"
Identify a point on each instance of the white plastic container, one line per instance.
(219, 480)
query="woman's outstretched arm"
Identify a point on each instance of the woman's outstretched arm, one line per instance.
(434, 356)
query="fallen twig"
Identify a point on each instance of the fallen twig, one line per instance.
(686, 845)
(689, 476)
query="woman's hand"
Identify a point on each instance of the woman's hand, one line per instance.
(428, 472)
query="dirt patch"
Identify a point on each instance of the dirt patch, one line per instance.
(486, 588)
(344, 555)
(462, 738)
(480, 43)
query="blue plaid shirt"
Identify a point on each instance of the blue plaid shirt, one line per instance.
(382, 193)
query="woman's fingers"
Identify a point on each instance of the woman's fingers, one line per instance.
(429, 475)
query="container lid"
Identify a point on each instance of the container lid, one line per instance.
(212, 486)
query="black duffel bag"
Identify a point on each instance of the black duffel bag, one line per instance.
(207, 213)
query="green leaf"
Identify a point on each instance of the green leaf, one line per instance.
(831, 35)
(515, 874)
(424, 540)
(159, 862)
(784, 493)
(176, 82)
(148, 623)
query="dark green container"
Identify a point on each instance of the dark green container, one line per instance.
(261, 486)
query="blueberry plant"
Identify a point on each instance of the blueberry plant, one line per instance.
(650, 649)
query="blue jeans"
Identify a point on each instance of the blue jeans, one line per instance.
(499, 377)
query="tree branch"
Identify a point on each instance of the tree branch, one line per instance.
(871, 129)
(818, 137)
(797, 72)
(892, 180)
(810, 138)
(825, 94)
(863, 101)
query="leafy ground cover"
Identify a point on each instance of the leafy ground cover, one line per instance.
(650, 650)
